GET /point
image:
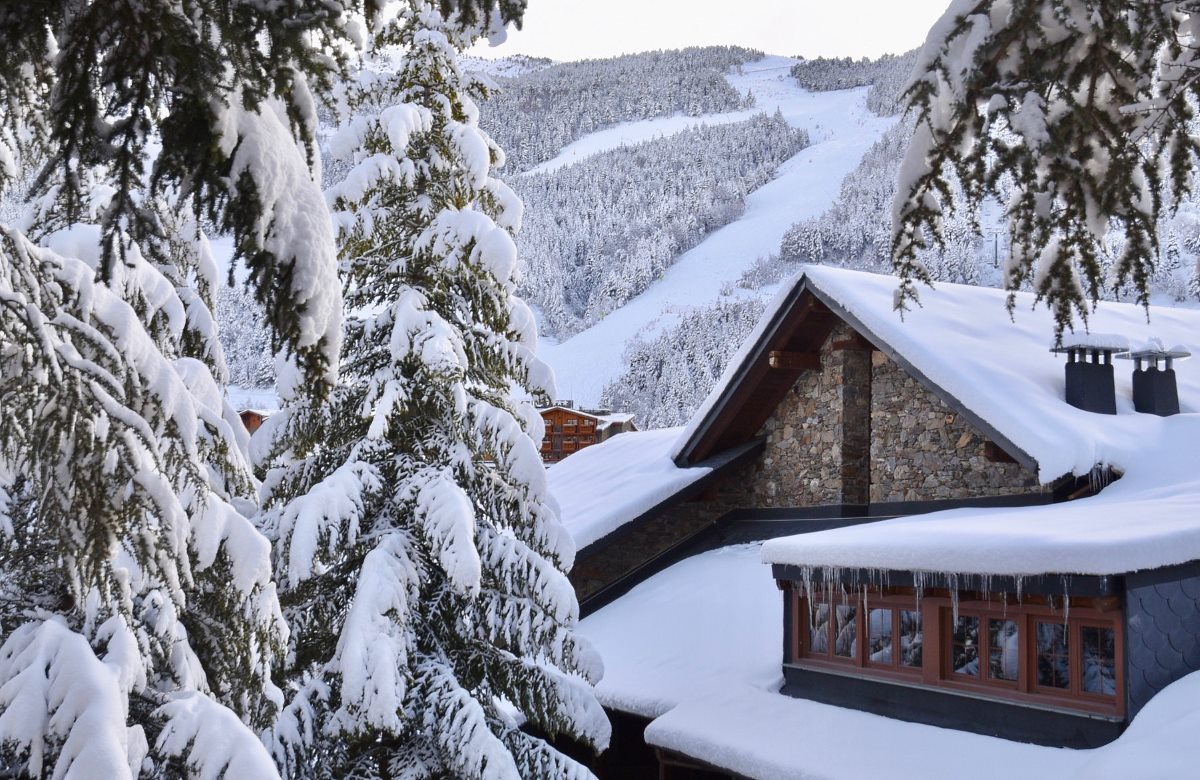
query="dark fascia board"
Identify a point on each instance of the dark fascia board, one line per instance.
(1079, 585)
(803, 285)
(756, 354)
(720, 465)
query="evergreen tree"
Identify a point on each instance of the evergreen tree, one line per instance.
(138, 617)
(418, 554)
(1085, 105)
(221, 93)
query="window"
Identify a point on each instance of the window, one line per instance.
(1030, 651)
(571, 423)
(890, 627)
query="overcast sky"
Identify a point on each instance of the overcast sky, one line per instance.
(578, 29)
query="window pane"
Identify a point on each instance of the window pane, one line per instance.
(879, 632)
(1004, 649)
(1099, 660)
(964, 649)
(818, 630)
(910, 638)
(1053, 657)
(845, 641)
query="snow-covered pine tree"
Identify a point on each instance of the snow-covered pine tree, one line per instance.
(138, 614)
(419, 556)
(1085, 104)
(206, 99)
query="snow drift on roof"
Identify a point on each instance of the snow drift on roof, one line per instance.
(963, 341)
(604, 486)
(705, 623)
(697, 646)
(1148, 519)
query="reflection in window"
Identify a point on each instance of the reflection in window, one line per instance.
(1053, 656)
(1099, 673)
(879, 635)
(818, 629)
(845, 640)
(910, 638)
(965, 646)
(1004, 649)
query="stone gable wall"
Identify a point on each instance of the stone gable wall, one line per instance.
(922, 451)
(801, 464)
(859, 428)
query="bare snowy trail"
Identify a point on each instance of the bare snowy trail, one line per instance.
(841, 130)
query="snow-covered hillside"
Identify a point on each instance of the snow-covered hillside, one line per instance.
(840, 128)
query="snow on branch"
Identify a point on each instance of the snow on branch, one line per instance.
(211, 740)
(287, 240)
(372, 658)
(62, 709)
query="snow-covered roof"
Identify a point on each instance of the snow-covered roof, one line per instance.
(617, 417)
(571, 409)
(1147, 519)
(998, 371)
(606, 485)
(697, 648)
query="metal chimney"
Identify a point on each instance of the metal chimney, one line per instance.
(1155, 390)
(1089, 370)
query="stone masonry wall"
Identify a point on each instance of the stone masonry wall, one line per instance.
(859, 429)
(641, 543)
(922, 451)
(801, 464)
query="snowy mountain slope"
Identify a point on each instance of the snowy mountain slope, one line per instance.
(505, 67)
(627, 133)
(841, 130)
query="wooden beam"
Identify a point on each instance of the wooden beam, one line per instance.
(854, 341)
(995, 454)
(801, 361)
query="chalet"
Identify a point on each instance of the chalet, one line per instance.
(569, 430)
(969, 530)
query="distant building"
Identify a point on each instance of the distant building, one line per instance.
(252, 418)
(569, 430)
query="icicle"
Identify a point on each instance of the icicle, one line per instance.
(1066, 583)
(952, 583)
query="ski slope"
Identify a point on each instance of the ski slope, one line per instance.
(627, 133)
(840, 128)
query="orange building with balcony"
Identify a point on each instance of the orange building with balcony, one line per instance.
(569, 430)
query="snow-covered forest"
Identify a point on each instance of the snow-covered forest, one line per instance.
(887, 76)
(599, 232)
(668, 377)
(856, 232)
(535, 115)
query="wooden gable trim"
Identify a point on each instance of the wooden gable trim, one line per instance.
(755, 389)
(799, 326)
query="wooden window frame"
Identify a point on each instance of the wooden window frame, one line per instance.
(894, 670)
(936, 611)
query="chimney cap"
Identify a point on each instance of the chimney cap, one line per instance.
(1099, 342)
(1154, 349)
